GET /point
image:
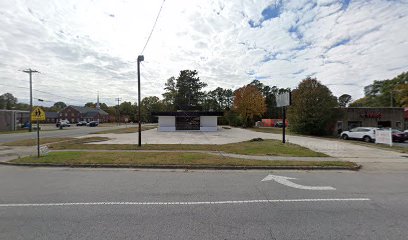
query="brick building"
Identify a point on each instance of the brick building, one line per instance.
(51, 117)
(393, 117)
(75, 114)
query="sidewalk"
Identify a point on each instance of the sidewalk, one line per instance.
(10, 153)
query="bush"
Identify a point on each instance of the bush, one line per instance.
(233, 119)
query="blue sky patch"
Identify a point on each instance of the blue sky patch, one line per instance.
(272, 11)
(341, 42)
(345, 4)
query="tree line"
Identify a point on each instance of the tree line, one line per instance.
(385, 93)
(312, 110)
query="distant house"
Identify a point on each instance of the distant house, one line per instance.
(76, 114)
(51, 117)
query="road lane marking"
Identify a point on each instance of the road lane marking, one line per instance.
(183, 203)
(285, 181)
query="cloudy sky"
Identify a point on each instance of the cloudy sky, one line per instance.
(84, 46)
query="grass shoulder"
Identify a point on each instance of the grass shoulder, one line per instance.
(140, 159)
(266, 147)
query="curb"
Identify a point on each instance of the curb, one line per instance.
(356, 168)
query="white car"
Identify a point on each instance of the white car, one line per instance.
(64, 123)
(367, 134)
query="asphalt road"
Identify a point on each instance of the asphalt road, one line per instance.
(66, 132)
(130, 204)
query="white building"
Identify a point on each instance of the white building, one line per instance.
(190, 121)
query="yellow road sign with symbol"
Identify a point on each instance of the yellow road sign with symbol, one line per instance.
(37, 114)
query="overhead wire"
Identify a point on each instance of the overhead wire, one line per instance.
(154, 26)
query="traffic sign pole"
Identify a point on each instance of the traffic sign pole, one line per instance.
(284, 124)
(38, 139)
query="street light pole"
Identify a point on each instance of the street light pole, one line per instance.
(30, 71)
(140, 58)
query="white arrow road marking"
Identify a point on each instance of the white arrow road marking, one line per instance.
(183, 203)
(285, 181)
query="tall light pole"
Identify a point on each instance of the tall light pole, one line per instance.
(139, 59)
(30, 72)
(118, 113)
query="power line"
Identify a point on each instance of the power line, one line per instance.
(154, 25)
(39, 91)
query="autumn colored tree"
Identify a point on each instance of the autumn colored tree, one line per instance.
(313, 110)
(248, 103)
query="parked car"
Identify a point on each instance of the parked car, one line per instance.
(399, 136)
(81, 123)
(63, 123)
(367, 134)
(279, 125)
(92, 124)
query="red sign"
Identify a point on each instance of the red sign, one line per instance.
(376, 115)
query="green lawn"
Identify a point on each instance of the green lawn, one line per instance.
(266, 147)
(170, 158)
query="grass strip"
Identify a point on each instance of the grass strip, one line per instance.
(261, 148)
(32, 142)
(167, 159)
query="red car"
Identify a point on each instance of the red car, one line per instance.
(398, 136)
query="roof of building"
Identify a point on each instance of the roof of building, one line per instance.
(187, 114)
(51, 114)
(88, 111)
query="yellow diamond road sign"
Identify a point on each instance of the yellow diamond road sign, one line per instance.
(37, 114)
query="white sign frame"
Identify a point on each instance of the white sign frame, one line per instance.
(283, 99)
(383, 136)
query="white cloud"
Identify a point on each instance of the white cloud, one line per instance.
(85, 46)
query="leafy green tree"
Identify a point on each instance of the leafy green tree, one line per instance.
(169, 96)
(58, 106)
(344, 100)
(149, 105)
(270, 98)
(188, 86)
(125, 108)
(384, 93)
(7, 101)
(313, 108)
(90, 104)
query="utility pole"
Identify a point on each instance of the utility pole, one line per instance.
(139, 59)
(30, 72)
(118, 115)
